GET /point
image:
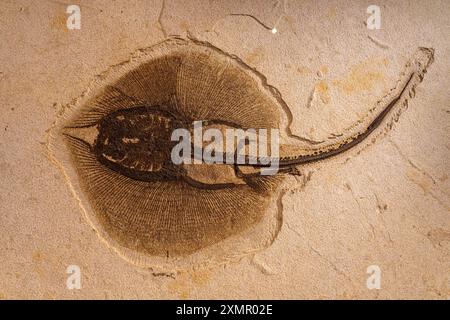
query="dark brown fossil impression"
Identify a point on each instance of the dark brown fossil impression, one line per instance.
(114, 146)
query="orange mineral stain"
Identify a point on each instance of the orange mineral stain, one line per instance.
(322, 91)
(363, 76)
(59, 22)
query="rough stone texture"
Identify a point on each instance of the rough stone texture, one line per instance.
(389, 205)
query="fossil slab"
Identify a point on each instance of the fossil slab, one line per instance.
(113, 144)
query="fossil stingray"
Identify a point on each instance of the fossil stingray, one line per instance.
(113, 144)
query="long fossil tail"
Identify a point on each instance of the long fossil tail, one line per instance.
(395, 100)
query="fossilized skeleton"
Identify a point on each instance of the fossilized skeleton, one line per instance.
(114, 145)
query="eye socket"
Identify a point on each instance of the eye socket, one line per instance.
(113, 144)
